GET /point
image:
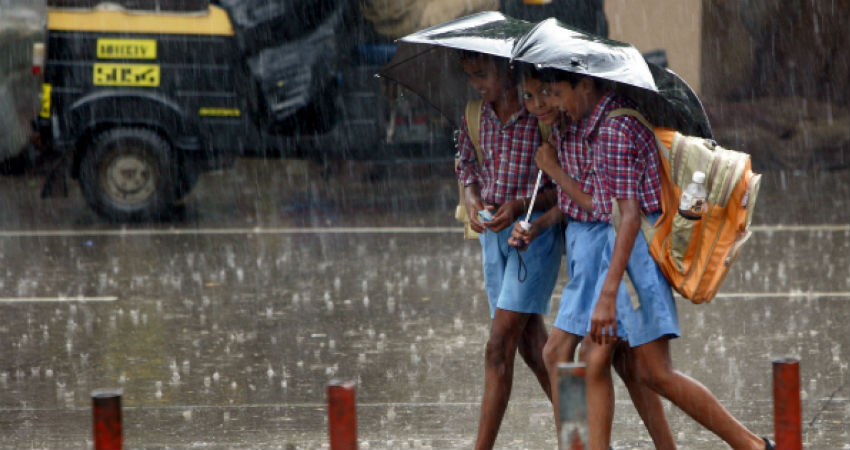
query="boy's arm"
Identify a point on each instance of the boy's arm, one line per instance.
(467, 175)
(472, 201)
(467, 163)
(603, 323)
(547, 160)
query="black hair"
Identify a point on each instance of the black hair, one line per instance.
(469, 55)
(551, 75)
(523, 71)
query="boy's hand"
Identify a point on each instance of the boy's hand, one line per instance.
(504, 216)
(473, 204)
(603, 323)
(546, 159)
(521, 239)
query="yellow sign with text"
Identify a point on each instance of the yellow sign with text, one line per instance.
(126, 49)
(144, 75)
(45, 100)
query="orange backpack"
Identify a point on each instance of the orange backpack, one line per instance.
(695, 255)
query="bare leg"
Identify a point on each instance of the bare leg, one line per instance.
(560, 347)
(691, 396)
(646, 401)
(531, 344)
(600, 393)
(499, 357)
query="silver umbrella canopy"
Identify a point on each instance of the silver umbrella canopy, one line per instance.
(427, 62)
(661, 94)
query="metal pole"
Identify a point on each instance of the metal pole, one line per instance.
(106, 410)
(572, 406)
(342, 416)
(787, 421)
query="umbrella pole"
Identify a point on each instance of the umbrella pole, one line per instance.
(526, 224)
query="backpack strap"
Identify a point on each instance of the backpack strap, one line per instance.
(667, 196)
(665, 152)
(473, 124)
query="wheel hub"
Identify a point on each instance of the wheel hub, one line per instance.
(129, 178)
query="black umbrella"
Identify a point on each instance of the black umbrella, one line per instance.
(678, 105)
(661, 94)
(426, 62)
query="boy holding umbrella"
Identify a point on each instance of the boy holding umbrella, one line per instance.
(567, 160)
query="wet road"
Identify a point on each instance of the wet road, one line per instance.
(223, 325)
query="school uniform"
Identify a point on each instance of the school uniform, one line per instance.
(585, 234)
(627, 167)
(508, 173)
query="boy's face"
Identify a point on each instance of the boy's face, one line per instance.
(485, 76)
(536, 101)
(570, 100)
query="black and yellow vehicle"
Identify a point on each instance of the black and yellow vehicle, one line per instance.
(139, 103)
(142, 96)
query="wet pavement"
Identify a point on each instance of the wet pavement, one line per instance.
(223, 325)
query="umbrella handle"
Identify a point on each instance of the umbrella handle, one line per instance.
(527, 221)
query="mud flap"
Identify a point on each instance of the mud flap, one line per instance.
(56, 183)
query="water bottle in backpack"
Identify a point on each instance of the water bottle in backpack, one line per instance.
(692, 203)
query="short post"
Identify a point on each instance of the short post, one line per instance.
(106, 411)
(572, 406)
(342, 415)
(787, 421)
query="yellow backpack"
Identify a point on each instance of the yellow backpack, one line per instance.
(473, 124)
(695, 255)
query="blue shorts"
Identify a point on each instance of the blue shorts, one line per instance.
(585, 242)
(656, 316)
(501, 267)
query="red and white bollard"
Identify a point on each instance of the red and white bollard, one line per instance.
(106, 412)
(787, 421)
(342, 415)
(572, 406)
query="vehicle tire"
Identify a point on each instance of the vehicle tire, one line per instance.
(129, 174)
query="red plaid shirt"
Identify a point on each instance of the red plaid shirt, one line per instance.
(575, 158)
(625, 158)
(508, 172)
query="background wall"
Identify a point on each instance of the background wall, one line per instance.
(672, 25)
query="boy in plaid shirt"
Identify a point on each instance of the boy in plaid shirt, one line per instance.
(502, 185)
(567, 160)
(625, 161)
